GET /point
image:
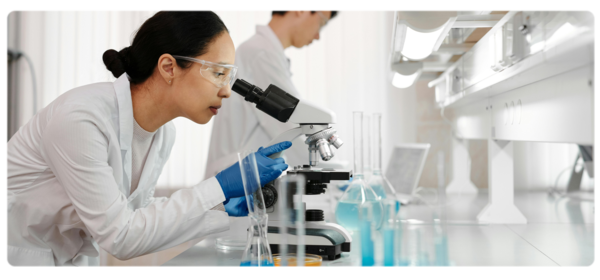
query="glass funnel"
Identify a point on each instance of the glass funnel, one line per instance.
(380, 185)
(358, 192)
(257, 252)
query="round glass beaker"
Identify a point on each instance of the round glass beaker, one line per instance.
(358, 191)
(235, 238)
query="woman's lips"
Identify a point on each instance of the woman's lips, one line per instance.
(214, 110)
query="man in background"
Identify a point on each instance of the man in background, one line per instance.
(261, 61)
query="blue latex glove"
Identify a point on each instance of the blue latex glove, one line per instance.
(269, 169)
(237, 207)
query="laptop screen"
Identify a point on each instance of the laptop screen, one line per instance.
(405, 166)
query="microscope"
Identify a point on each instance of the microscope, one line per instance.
(321, 238)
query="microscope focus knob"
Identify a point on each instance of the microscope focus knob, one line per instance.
(315, 215)
(269, 194)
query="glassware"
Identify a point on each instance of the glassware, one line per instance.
(291, 214)
(416, 237)
(235, 238)
(358, 192)
(309, 260)
(389, 225)
(366, 235)
(257, 252)
(367, 147)
(380, 185)
(440, 243)
(422, 243)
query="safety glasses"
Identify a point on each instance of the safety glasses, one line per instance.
(324, 20)
(218, 74)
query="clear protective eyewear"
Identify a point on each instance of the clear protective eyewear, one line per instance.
(324, 20)
(217, 73)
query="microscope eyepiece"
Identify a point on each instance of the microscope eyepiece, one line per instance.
(250, 92)
(242, 87)
(274, 101)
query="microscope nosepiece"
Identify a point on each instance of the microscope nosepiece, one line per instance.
(313, 159)
(335, 141)
(324, 150)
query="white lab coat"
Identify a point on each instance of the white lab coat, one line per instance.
(69, 177)
(239, 126)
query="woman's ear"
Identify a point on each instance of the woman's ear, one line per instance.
(166, 67)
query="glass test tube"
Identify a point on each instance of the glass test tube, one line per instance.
(367, 146)
(377, 142)
(358, 143)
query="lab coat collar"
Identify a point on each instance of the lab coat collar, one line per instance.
(125, 105)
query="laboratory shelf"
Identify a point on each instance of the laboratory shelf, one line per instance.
(558, 42)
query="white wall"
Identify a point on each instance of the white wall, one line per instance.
(346, 70)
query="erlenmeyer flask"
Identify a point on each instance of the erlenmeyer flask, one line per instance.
(257, 252)
(358, 192)
(380, 185)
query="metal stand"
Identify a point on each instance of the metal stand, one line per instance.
(575, 179)
(461, 169)
(501, 208)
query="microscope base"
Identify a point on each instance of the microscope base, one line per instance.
(332, 252)
(323, 242)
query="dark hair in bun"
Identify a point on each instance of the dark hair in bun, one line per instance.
(175, 33)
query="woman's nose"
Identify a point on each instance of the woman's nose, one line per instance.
(225, 91)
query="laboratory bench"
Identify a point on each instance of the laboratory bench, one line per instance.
(559, 232)
(205, 253)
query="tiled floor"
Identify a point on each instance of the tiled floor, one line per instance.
(559, 232)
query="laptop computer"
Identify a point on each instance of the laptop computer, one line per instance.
(405, 167)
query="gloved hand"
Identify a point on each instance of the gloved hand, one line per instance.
(237, 207)
(269, 169)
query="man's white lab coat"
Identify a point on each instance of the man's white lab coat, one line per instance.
(69, 176)
(239, 126)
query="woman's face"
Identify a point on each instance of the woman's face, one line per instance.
(198, 98)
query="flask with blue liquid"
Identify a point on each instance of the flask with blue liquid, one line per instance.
(258, 251)
(358, 191)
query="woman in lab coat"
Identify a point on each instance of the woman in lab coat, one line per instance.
(82, 172)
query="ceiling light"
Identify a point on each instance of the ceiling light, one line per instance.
(406, 73)
(405, 81)
(417, 44)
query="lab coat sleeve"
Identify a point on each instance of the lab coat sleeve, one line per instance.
(75, 147)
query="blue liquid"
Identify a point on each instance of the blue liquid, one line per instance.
(366, 244)
(255, 263)
(441, 252)
(347, 215)
(388, 247)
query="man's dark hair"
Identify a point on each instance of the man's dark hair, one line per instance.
(283, 11)
(175, 33)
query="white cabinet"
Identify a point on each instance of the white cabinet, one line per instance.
(530, 78)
